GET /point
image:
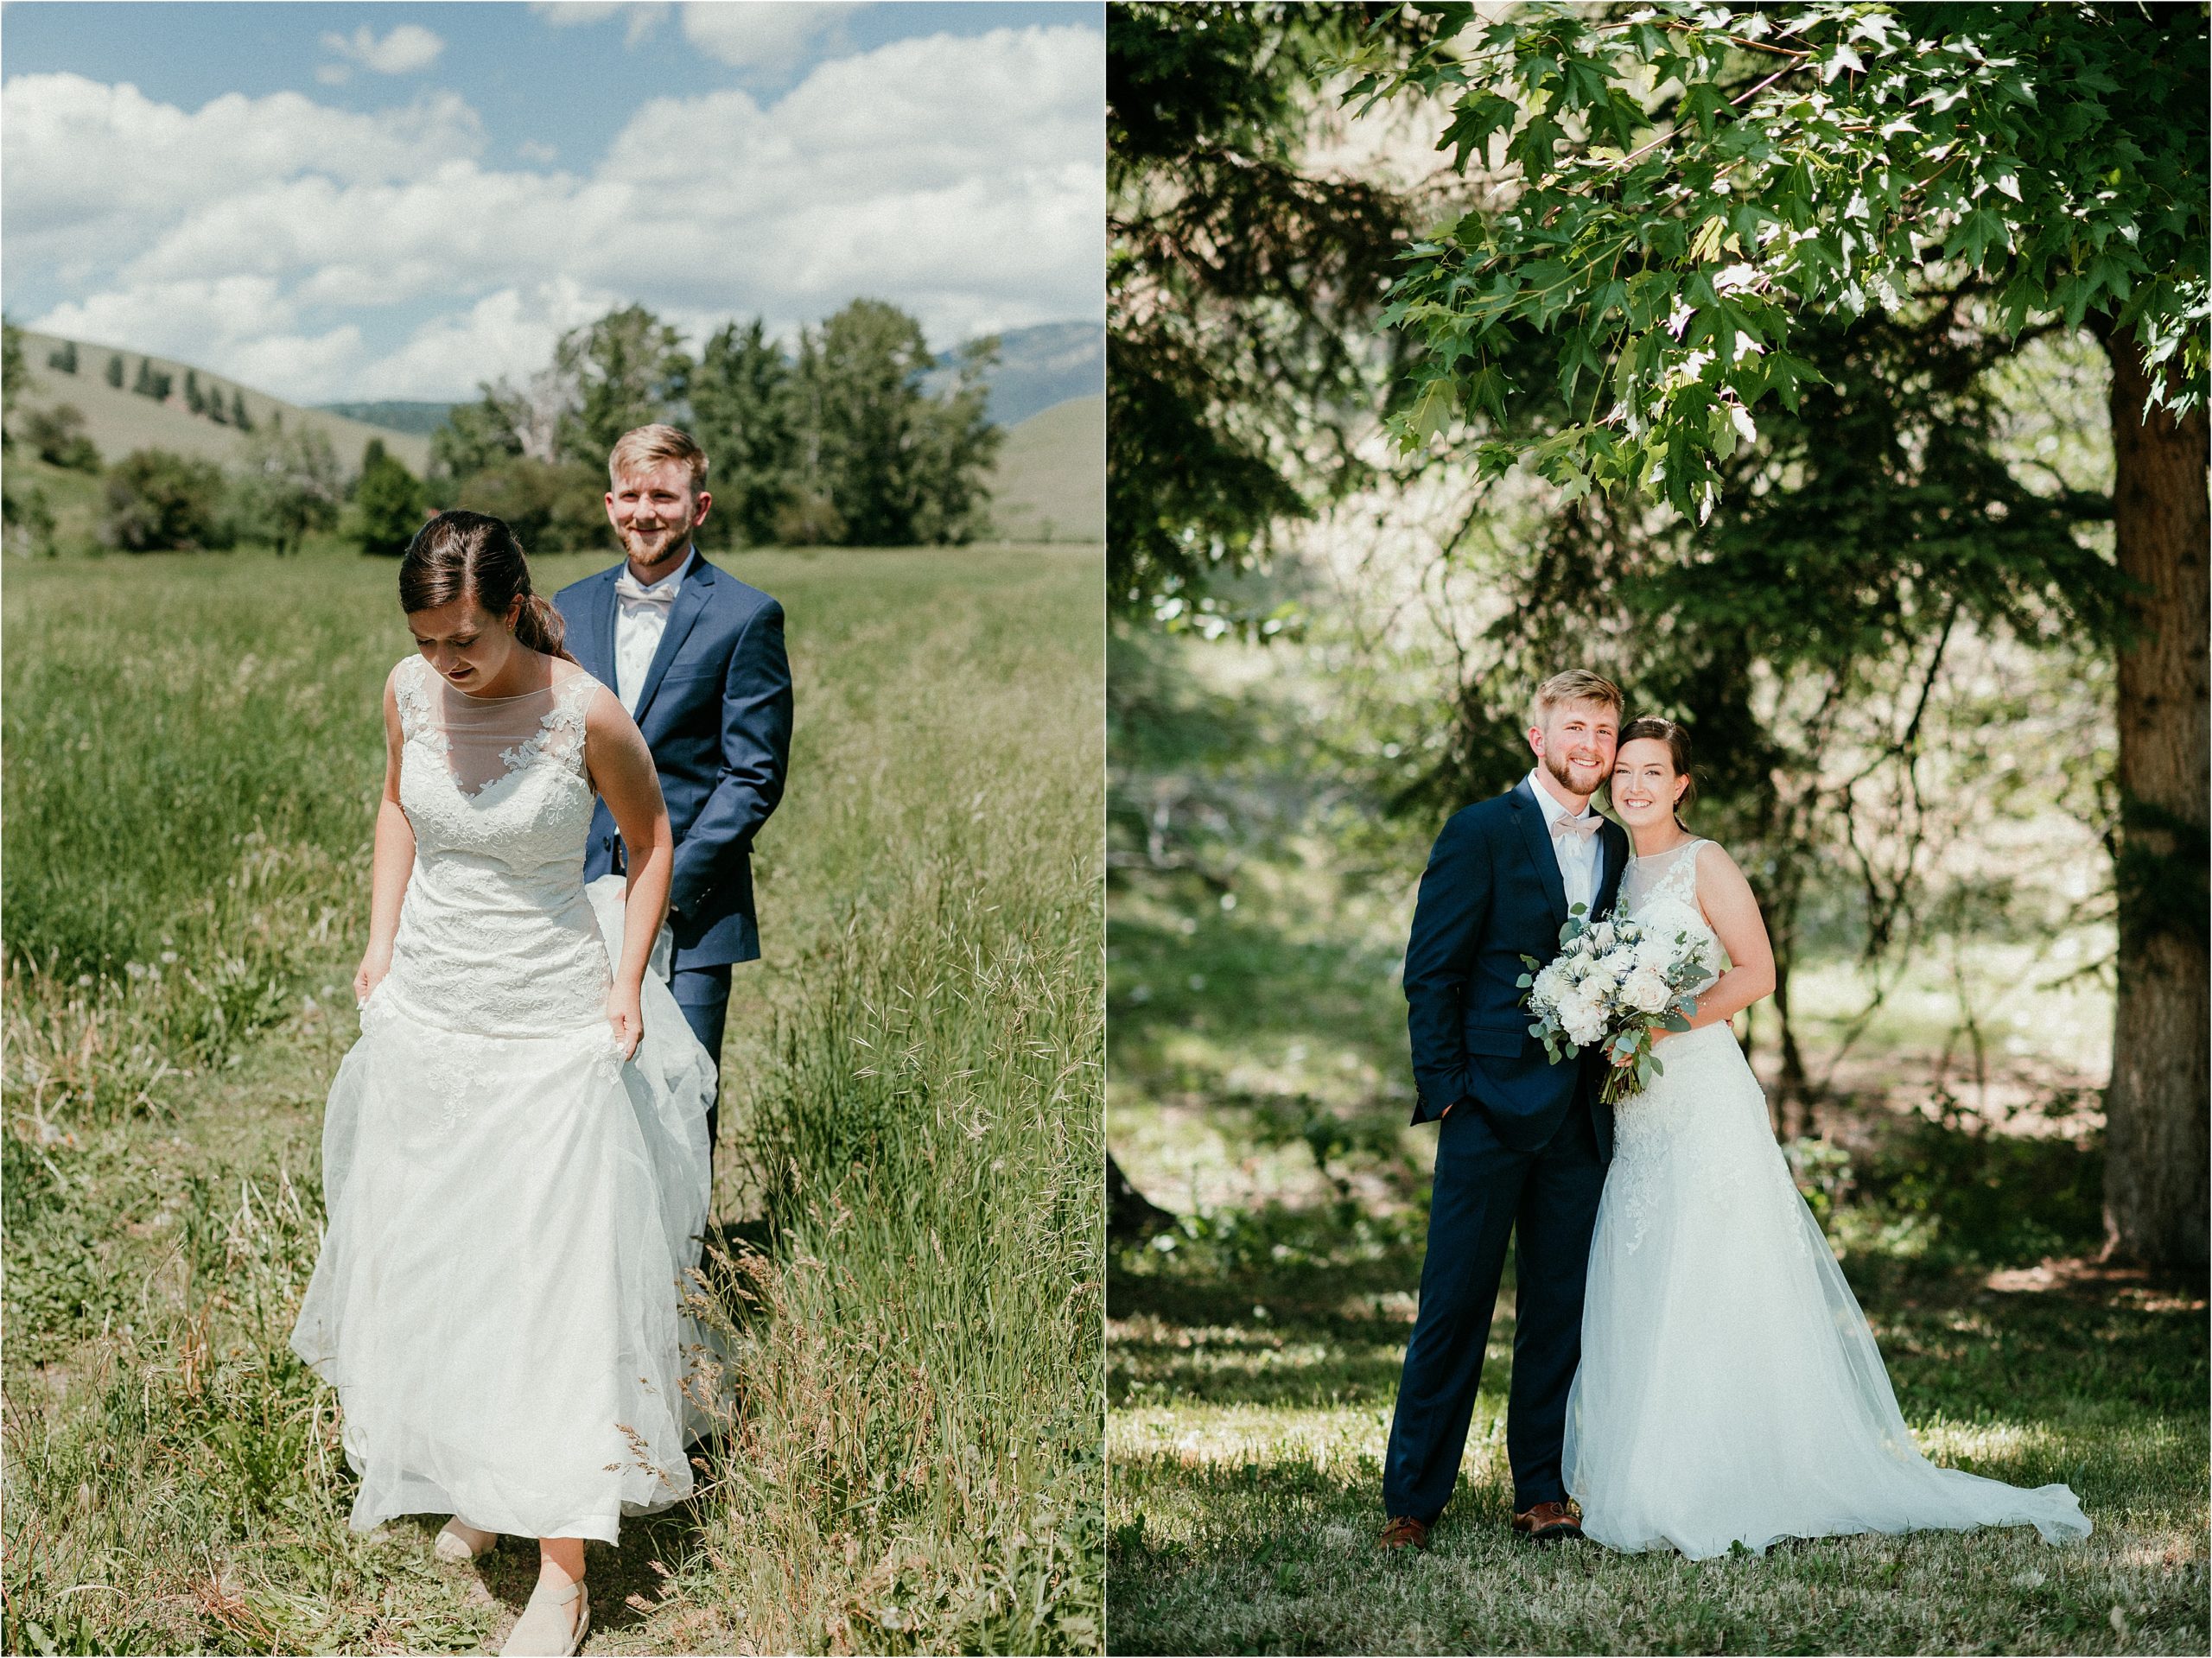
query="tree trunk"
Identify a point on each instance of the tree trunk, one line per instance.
(1130, 1215)
(2159, 1102)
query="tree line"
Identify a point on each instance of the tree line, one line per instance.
(838, 443)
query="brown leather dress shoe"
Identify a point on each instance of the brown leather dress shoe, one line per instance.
(1548, 1522)
(1404, 1532)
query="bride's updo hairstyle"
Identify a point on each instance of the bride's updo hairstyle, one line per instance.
(459, 553)
(1678, 752)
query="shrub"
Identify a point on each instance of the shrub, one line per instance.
(388, 505)
(552, 507)
(27, 523)
(58, 435)
(292, 486)
(810, 521)
(157, 501)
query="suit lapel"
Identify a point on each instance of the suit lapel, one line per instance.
(1536, 835)
(1613, 841)
(698, 586)
(596, 651)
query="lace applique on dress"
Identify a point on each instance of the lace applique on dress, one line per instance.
(412, 695)
(482, 741)
(560, 734)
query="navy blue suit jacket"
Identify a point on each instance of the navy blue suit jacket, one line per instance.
(1491, 895)
(716, 712)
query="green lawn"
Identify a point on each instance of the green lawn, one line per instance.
(912, 1085)
(1252, 1374)
(1257, 1055)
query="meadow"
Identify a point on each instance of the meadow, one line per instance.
(909, 1240)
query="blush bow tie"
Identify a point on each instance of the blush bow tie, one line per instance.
(631, 591)
(1575, 828)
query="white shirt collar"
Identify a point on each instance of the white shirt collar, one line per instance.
(1552, 808)
(672, 583)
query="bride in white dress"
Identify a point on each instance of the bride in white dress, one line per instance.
(514, 1152)
(1729, 1391)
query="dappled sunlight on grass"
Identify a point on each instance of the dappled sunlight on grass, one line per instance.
(1252, 1367)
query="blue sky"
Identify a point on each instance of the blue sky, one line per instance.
(399, 201)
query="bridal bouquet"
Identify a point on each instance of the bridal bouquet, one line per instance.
(1613, 984)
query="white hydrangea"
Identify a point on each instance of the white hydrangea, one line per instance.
(1583, 1017)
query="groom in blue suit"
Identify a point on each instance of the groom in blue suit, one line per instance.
(1522, 1143)
(697, 658)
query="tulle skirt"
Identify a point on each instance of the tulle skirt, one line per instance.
(1730, 1390)
(498, 1299)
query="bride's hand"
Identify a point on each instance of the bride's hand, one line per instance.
(366, 977)
(626, 1018)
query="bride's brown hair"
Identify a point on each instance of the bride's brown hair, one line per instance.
(1678, 752)
(459, 553)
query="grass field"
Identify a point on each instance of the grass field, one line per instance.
(1249, 1395)
(912, 1083)
(1256, 1055)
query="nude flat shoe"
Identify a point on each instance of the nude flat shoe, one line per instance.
(461, 1543)
(543, 1630)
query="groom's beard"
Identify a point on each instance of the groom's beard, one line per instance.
(666, 553)
(1560, 774)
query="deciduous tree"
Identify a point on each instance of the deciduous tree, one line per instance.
(1686, 194)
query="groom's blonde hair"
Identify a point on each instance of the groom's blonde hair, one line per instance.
(643, 448)
(1575, 685)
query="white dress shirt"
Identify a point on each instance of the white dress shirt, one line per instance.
(640, 619)
(1577, 855)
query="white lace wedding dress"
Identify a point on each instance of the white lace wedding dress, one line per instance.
(511, 1206)
(1730, 1390)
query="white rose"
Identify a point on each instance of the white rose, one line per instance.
(1602, 936)
(1656, 953)
(1646, 991)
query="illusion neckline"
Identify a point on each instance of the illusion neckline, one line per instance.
(547, 689)
(1695, 839)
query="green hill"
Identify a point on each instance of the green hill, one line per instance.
(119, 420)
(1051, 479)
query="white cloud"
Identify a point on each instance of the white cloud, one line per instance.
(961, 179)
(644, 18)
(94, 171)
(510, 333)
(572, 13)
(407, 48)
(767, 36)
(242, 327)
(333, 74)
(530, 150)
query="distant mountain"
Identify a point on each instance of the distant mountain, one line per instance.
(1050, 484)
(423, 417)
(1038, 367)
(119, 419)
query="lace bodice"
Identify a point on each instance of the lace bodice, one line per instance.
(496, 936)
(1660, 892)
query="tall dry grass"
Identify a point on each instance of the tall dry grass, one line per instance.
(912, 1079)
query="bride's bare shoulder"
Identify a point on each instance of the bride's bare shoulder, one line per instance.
(1718, 874)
